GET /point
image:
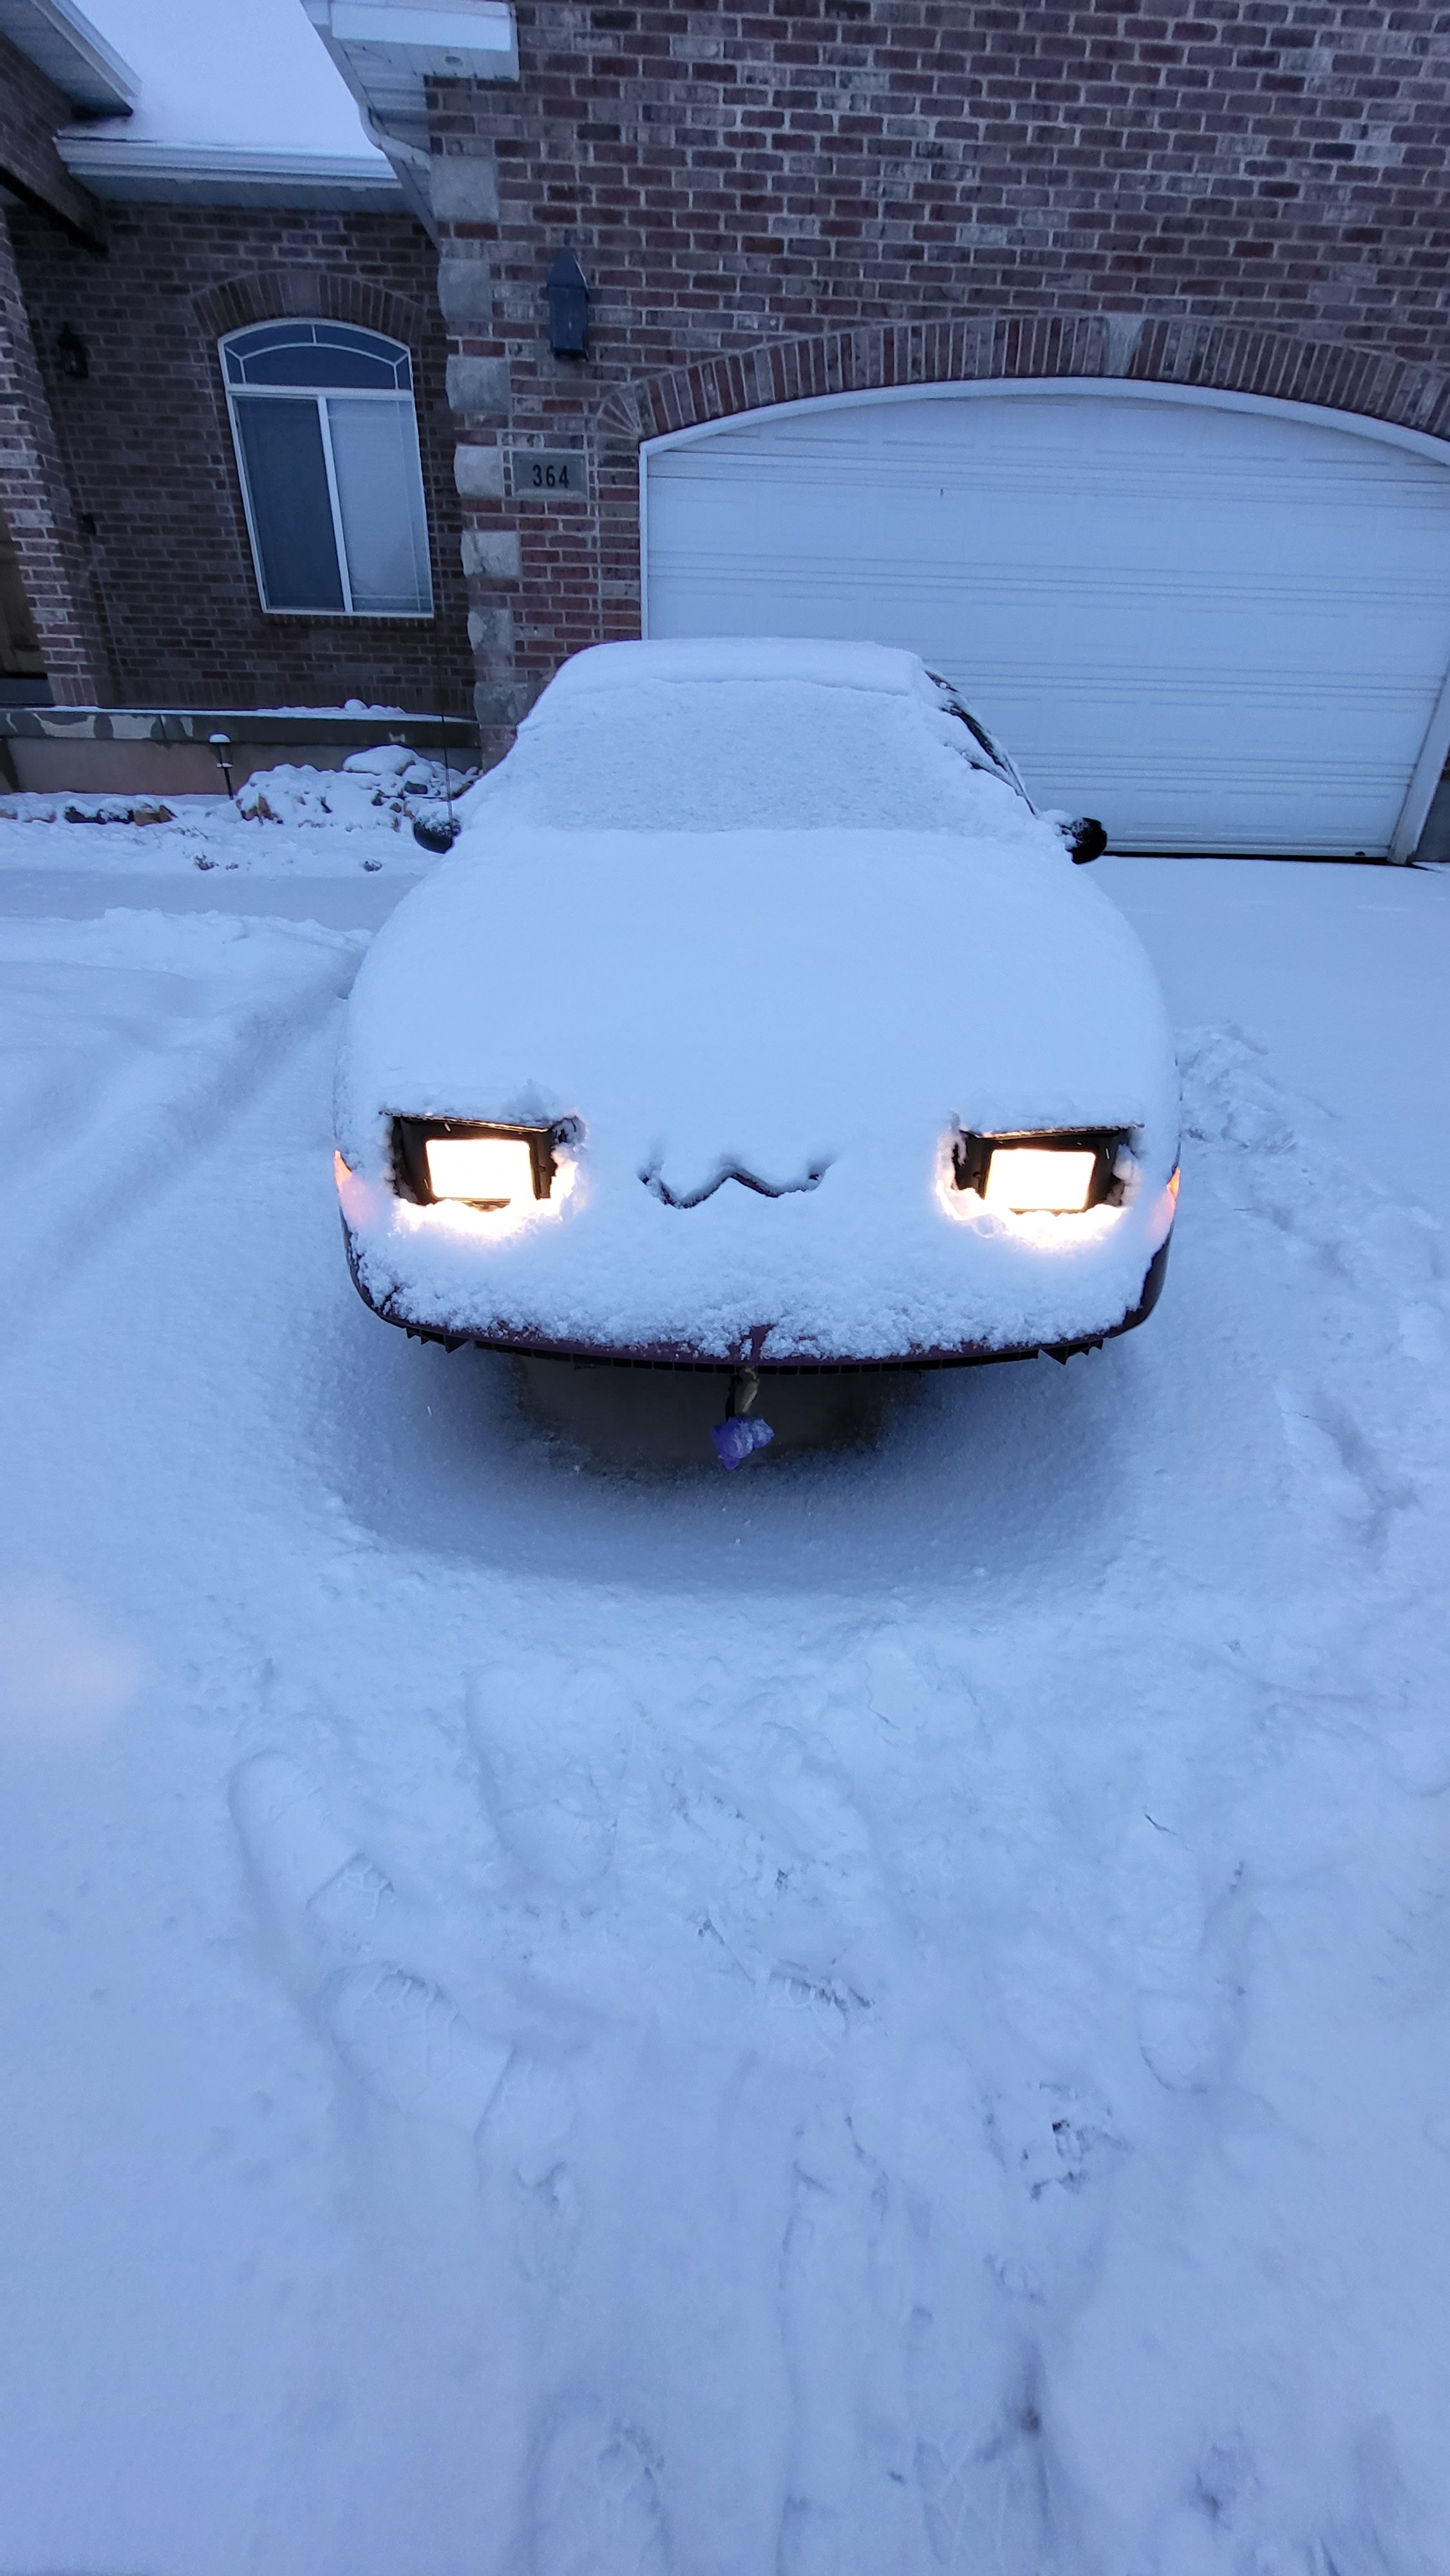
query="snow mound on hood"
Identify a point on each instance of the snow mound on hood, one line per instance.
(818, 1010)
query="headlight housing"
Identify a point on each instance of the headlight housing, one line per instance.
(1057, 1171)
(479, 1163)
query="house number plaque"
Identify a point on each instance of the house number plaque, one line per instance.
(547, 474)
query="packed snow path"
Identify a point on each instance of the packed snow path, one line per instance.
(880, 2014)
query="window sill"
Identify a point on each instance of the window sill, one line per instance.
(357, 616)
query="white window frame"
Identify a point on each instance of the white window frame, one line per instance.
(319, 400)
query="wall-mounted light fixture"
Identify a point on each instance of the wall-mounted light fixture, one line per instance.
(72, 355)
(568, 295)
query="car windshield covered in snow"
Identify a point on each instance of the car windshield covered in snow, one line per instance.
(709, 737)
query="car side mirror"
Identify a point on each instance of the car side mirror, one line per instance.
(1086, 840)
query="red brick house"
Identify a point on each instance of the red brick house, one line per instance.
(125, 261)
(1098, 353)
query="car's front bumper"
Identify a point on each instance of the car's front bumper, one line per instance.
(752, 1351)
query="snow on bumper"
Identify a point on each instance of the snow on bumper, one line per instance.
(842, 1274)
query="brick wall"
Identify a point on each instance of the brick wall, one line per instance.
(148, 455)
(39, 517)
(31, 109)
(34, 496)
(812, 195)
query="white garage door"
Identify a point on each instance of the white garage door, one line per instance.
(1216, 625)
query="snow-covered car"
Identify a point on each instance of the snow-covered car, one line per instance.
(757, 1021)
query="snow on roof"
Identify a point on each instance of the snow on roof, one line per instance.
(881, 667)
(240, 79)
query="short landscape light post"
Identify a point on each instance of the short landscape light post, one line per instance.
(221, 744)
(568, 293)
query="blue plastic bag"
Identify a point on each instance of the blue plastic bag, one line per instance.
(736, 1439)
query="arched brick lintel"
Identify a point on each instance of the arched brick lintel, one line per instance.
(1132, 348)
(318, 294)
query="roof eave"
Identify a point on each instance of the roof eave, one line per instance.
(390, 52)
(72, 54)
(118, 167)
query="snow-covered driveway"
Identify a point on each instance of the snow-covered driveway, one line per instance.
(888, 2012)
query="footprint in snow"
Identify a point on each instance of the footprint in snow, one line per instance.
(847, 2503)
(1056, 2144)
(411, 2047)
(776, 1872)
(554, 1805)
(524, 2137)
(991, 2493)
(1339, 1463)
(596, 2507)
(813, 2540)
(1180, 2005)
(321, 1889)
(1004, 2219)
(401, 2036)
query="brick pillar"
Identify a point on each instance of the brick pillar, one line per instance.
(465, 208)
(38, 510)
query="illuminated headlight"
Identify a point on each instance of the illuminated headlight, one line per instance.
(487, 1170)
(481, 1164)
(1050, 1174)
(1031, 1180)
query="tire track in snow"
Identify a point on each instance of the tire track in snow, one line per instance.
(256, 992)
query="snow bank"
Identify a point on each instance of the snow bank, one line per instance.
(290, 820)
(388, 783)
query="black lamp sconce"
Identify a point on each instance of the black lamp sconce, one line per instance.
(73, 356)
(568, 295)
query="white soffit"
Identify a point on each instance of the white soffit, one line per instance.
(72, 53)
(388, 50)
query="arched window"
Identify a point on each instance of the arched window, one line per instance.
(327, 448)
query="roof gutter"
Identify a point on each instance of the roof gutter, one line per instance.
(114, 164)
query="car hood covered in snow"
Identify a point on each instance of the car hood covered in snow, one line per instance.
(816, 1009)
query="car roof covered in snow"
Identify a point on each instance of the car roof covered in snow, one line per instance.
(743, 734)
(883, 668)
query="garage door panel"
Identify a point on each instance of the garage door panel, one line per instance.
(1220, 628)
(1400, 560)
(1412, 617)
